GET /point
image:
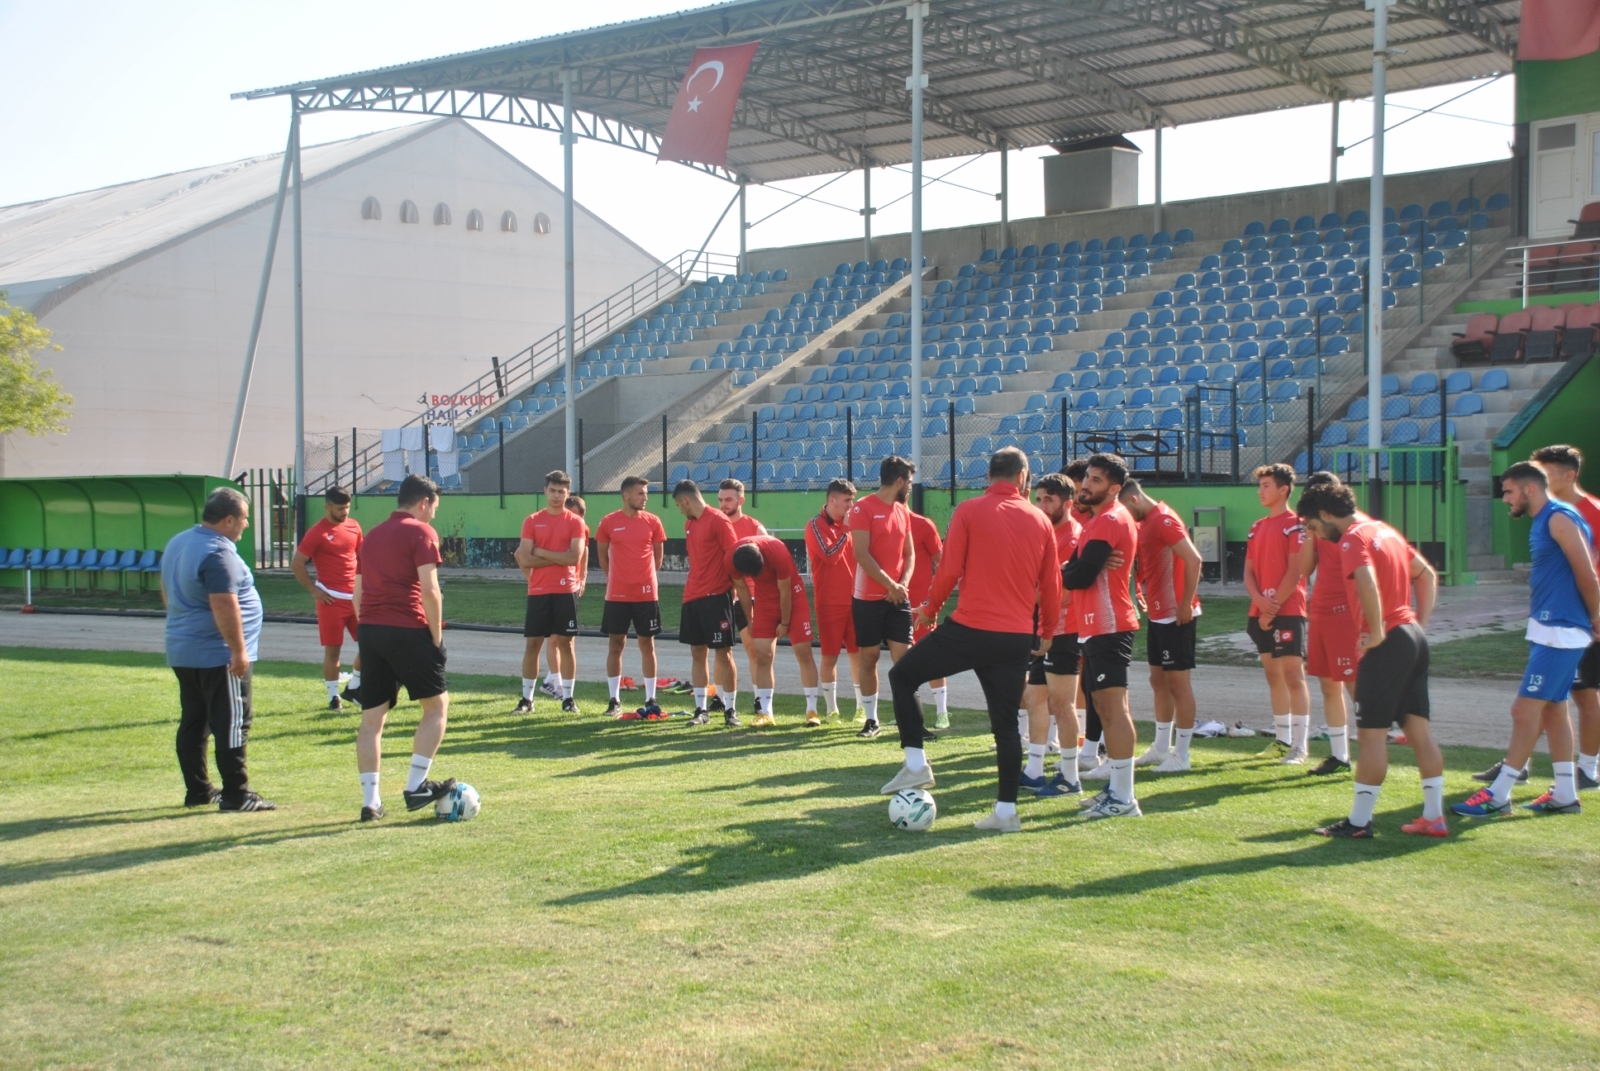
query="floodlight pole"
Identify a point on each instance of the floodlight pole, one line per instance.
(1159, 213)
(299, 344)
(1005, 195)
(570, 381)
(743, 226)
(1380, 55)
(917, 82)
(866, 210)
(261, 306)
(1334, 153)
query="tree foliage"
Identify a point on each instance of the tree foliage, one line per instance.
(30, 398)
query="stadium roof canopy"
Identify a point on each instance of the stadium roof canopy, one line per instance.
(827, 89)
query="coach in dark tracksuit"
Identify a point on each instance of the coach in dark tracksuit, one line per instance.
(213, 626)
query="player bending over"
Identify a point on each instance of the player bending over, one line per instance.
(773, 595)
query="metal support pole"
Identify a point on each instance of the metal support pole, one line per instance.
(1334, 152)
(261, 304)
(866, 212)
(1380, 56)
(299, 345)
(849, 444)
(917, 82)
(569, 356)
(1005, 194)
(743, 226)
(952, 430)
(580, 458)
(1311, 430)
(1160, 214)
(664, 474)
(500, 424)
(354, 478)
(755, 451)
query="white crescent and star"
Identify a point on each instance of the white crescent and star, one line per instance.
(712, 65)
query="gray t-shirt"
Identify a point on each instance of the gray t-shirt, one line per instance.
(197, 564)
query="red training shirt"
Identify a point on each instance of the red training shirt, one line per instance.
(1330, 594)
(925, 541)
(707, 542)
(887, 524)
(1106, 606)
(1000, 549)
(1588, 506)
(632, 543)
(745, 526)
(1067, 534)
(554, 532)
(1386, 550)
(832, 560)
(1274, 542)
(1162, 574)
(777, 567)
(391, 592)
(332, 549)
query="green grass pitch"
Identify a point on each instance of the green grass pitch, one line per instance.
(656, 896)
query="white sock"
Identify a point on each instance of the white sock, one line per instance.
(355, 680)
(731, 700)
(1366, 801)
(764, 699)
(1299, 729)
(1022, 727)
(811, 700)
(615, 684)
(552, 680)
(1069, 763)
(1163, 741)
(1122, 779)
(369, 790)
(1053, 737)
(528, 684)
(420, 765)
(1589, 764)
(1433, 797)
(1280, 726)
(1501, 789)
(1184, 737)
(333, 688)
(830, 692)
(1091, 753)
(1004, 810)
(1566, 789)
(566, 685)
(916, 758)
(699, 698)
(1339, 742)
(869, 703)
(861, 703)
(941, 699)
(649, 689)
(1035, 760)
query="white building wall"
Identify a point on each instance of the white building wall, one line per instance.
(393, 311)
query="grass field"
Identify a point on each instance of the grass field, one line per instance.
(661, 896)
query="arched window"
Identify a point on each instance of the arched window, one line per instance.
(508, 221)
(441, 215)
(408, 212)
(474, 220)
(370, 209)
(541, 224)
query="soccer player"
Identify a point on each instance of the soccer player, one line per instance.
(554, 541)
(706, 622)
(773, 593)
(331, 545)
(213, 627)
(1392, 678)
(1563, 621)
(1333, 642)
(1051, 694)
(402, 642)
(830, 554)
(631, 544)
(730, 500)
(1561, 465)
(1276, 561)
(929, 549)
(1003, 554)
(880, 535)
(1169, 577)
(1089, 721)
(1107, 622)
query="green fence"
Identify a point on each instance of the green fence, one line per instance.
(1418, 491)
(1562, 412)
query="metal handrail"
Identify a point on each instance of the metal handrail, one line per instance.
(1583, 278)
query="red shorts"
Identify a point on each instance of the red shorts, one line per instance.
(334, 619)
(836, 627)
(765, 625)
(1333, 646)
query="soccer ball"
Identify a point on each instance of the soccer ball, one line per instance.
(461, 804)
(913, 810)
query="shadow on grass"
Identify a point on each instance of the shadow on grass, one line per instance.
(33, 827)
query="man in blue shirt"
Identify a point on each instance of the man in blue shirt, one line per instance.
(213, 627)
(1563, 619)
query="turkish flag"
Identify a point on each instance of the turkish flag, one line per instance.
(702, 116)
(1558, 29)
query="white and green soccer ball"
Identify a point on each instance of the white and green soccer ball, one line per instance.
(461, 804)
(913, 810)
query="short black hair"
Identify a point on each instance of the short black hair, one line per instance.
(894, 467)
(1131, 486)
(337, 495)
(222, 503)
(1054, 483)
(1115, 469)
(747, 560)
(1334, 499)
(1320, 477)
(577, 505)
(1525, 472)
(630, 482)
(557, 478)
(686, 489)
(1076, 469)
(731, 484)
(1568, 457)
(841, 487)
(1007, 463)
(1281, 474)
(414, 489)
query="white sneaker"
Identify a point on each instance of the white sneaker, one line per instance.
(1296, 757)
(1099, 773)
(909, 778)
(1152, 757)
(1111, 807)
(1173, 764)
(1011, 823)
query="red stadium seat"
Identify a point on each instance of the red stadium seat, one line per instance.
(1577, 337)
(1473, 344)
(1587, 225)
(1544, 330)
(1507, 345)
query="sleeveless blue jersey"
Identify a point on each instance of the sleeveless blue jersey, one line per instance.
(1555, 601)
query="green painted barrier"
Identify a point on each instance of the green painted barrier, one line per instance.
(1562, 412)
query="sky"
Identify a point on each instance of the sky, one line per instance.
(102, 92)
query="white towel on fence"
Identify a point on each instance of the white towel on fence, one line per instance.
(411, 438)
(394, 465)
(449, 462)
(441, 437)
(417, 461)
(390, 439)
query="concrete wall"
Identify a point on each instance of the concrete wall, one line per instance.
(393, 312)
